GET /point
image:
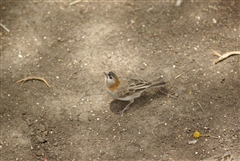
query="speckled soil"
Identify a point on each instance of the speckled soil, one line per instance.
(75, 119)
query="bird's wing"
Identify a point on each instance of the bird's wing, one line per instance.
(131, 86)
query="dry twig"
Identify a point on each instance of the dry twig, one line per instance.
(178, 76)
(75, 2)
(132, 22)
(154, 129)
(208, 135)
(33, 78)
(4, 27)
(200, 106)
(224, 56)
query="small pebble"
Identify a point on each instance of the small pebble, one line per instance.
(59, 39)
(176, 94)
(231, 87)
(41, 127)
(55, 144)
(40, 152)
(192, 142)
(109, 56)
(45, 133)
(40, 139)
(155, 20)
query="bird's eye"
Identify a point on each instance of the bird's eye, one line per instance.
(110, 76)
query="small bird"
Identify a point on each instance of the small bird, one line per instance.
(127, 89)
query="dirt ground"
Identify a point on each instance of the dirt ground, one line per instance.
(71, 45)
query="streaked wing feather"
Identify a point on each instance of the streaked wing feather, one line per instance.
(138, 83)
(134, 86)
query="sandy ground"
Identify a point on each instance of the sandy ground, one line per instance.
(72, 45)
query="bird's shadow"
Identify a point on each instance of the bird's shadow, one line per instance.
(116, 105)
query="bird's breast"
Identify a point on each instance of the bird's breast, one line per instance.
(115, 85)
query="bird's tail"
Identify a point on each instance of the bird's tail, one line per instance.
(158, 82)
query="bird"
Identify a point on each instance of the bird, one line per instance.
(127, 89)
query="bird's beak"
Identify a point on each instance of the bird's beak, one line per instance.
(105, 74)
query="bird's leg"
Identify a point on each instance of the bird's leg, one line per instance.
(126, 108)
